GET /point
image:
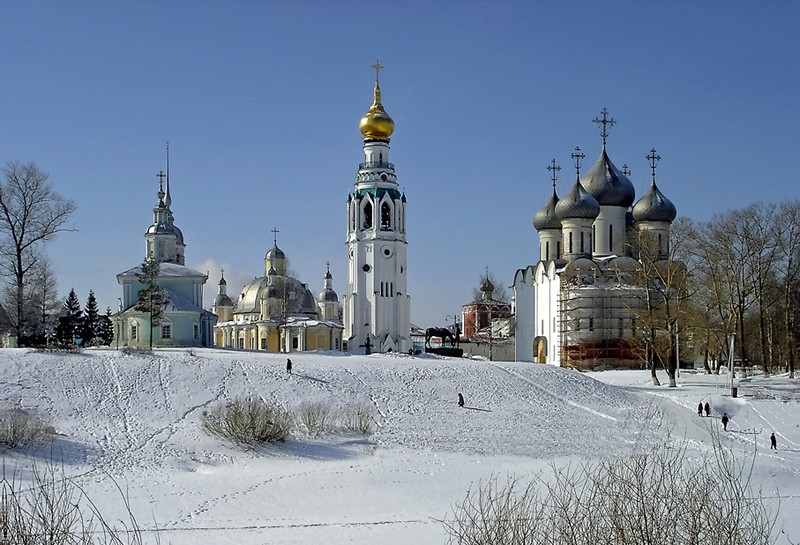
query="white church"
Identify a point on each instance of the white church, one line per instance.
(574, 307)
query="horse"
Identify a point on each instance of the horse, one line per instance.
(441, 332)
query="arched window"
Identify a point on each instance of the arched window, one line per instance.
(582, 246)
(367, 210)
(570, 242)
(610, 237)
(593, 237)
(547, 250)
(386, 216)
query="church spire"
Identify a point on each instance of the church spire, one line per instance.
(168, 198)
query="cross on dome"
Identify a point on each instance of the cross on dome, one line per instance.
(553, 168)
(577, 155)
(275, 232)
(377, 66)
(625, 170)
(606, 122)
(654, 159)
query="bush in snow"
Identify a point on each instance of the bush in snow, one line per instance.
(660, 497)
(20, 427)
(357, 418)
(316, 416)
(248, 422)
(49, 511)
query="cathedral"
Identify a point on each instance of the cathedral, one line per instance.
(578, 305)
(376, 305)
(278, 313)
(184, 321)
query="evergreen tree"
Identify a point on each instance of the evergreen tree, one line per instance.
(70, 321)
(105, 331)
(151, 297)
(91, 321)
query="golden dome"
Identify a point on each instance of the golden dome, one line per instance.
(376, 123)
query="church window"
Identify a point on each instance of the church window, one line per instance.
(558, 249)
(541, 331)
(391, 289)
(594, 238)
(196, 331)
(570, 242)
(547, 250)
(295, 343)
(166, 331)
(577, 324)
(620, 323)
(591, 324)
(367, 216)
(386, 216)
(660, 247)
(582, 246)
(263, 343)
(160, 249)
(134, 333)
(610, 237)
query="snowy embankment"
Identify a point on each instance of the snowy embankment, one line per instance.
(136, 418)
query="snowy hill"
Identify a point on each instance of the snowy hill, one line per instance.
(136, 418)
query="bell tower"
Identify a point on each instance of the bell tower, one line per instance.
(376, 305)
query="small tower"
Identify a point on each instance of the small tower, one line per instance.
(547, 224)
(376, 304)
(327, 300)
(163, 240)
(654, 213)
(223, 304)
(577, 211)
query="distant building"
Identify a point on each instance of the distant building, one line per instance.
(185, 322)
(577, 306)
(278, 313)
(486, 317)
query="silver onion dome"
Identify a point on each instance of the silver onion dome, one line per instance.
(607, 184)
(546, 218)
(577, 203)
(654, 206)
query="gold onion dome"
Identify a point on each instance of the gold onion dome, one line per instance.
(376, 123)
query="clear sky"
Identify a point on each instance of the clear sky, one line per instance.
(260, 102)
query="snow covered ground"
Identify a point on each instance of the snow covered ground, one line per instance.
(136, 418)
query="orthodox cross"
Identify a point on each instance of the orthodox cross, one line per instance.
(275, 236)
(606, 122)
(577, 155)
(625, 170)
(554, 168)
(377, 66)
(654, 159)
(222, 271)
(328, 265)
(160, 180)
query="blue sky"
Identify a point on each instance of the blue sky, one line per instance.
(260, 102)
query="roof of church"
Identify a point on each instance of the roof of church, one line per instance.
(577, 203)
(607, 184)
(171, 270)
(654, 206)
(546, 218)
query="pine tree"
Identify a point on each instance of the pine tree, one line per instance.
(70, 321)
(91, 321)
(105, 331)
(151, 297)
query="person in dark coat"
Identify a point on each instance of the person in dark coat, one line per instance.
(724, 422)
(708, 409)
(773, 443)
(700, 409)
(288, 366)
(460, 400)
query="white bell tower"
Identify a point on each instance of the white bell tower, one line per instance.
(376, 306)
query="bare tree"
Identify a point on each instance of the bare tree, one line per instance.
(31, 214)
(785, 230)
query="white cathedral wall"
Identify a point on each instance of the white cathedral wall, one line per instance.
(524, 314)
(614, 217)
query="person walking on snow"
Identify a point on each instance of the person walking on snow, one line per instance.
(460, 400)
(708, 409)
(773, 443)
(288, 366)
(700, 409)
(724, 422)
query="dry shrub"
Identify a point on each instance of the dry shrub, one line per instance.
(248, 422)
(357, 418)
(316, 416)
(656, 498)
(22, 427)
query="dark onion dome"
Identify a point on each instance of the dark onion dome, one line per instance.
(166, 229)
(546, 218)
(654, 206)
(328, 275)
(607, 184)
(328, 296)
(486, 285)
(223, 300)
(577, 203)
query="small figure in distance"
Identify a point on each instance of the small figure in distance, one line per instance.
(288, 366)
(460, 400)
(700, 409)
(724, 422)
(708, 409)
(773, 443)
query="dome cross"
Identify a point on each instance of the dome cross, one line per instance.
(606, 122)
(275, 232)
(577, 155)
(654, 159)
(625, 170)
(553, 168)
(377, 66)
